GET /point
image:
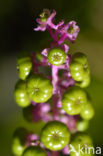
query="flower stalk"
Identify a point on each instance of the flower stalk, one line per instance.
(70, 108)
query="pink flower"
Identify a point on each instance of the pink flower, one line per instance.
(69, 31)
(46, 20)
(70, 121)
(66, 150)
(32, 140)
(41, 112)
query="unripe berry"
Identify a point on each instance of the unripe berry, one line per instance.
(34, 151)
(82, 125)
(85, 82)
(55, 135)
(39, 88)
(80, 141)
(24, 67)
(73, 100)
(20, 94)
(19, 141)
(39, 56)
(56, 56)
(79, 67)
(87, 112)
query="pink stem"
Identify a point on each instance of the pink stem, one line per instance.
(55, 98)
(54, 78)
(55, 94)
(62, 39)
(53, 35)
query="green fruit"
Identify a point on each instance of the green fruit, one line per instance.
(55, 135)
(20, 94)
(80, 141)
(73, 100)
(79, 67)
(24, 67)
(39, 56)
(56, 56)
(87, 112)
(28, 113)
(19, 141)
(34, 151)
(39, 88)
(85, 82)
(82, 125)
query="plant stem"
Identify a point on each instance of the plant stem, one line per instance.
(52, 34)
(55, 98)
(55, 92)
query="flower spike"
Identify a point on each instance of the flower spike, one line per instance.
(50, 90)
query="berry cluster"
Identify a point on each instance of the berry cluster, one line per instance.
(59, 99)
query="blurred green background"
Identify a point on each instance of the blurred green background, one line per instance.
(17, 20)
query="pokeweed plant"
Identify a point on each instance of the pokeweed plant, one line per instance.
(59, 100)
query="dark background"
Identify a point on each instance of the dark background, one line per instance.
(17, 20)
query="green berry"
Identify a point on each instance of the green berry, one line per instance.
(39, 56)
(82, 125)
(55, 135)
(73, 100)
(80, 141)
(28, 113)
(83, 138)
(24, 67)
(39, 88)
(20, 94)
(19, 141)
(34, 151)
(85, 82)
(79, 67)
(87, 112)
(56, 56)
